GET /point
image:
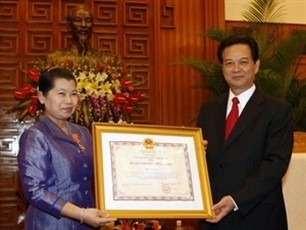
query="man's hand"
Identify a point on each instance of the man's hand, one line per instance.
(221, 209)
(205, 143)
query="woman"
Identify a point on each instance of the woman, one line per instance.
(55, 161)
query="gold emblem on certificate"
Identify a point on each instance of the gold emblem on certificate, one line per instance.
(148, 143)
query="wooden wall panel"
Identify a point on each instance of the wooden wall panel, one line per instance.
(181, 25)
(147, 34)
(12, 202)
(121, 27)
(213, 18)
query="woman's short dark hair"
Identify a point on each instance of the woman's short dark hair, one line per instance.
(47, 78)
(239, 39)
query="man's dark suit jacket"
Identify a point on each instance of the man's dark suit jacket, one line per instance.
(250, 164)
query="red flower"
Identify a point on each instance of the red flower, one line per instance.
(136, 97)
(32, 106)
(137, 225)
(126, 224)
(155, 225)
(128, 109)
(22, 92)
(34, 74)
(126, 84)
(119, 103)
(120, 98)
(102, 66)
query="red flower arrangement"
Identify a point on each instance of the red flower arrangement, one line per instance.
(106, 87)
(138, 225)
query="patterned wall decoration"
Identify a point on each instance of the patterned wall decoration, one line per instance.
(30, 29)
(147, 34)
(167, 16)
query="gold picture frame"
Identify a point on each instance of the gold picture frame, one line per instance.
(146, 171)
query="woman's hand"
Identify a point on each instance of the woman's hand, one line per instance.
(91, 216)
(95, 217)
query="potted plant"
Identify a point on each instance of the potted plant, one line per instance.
(280, 56)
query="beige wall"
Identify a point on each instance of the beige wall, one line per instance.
(294, 187)
(295, 10)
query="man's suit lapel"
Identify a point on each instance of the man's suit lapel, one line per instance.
(250, 112)
(220, 118)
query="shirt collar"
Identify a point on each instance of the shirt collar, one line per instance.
(243, 98)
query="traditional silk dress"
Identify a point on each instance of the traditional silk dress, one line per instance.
(55, 168)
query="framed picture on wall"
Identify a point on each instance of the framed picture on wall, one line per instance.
(146, 171)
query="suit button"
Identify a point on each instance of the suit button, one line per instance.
(221, 166)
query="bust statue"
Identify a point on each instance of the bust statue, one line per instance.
(79, 25)
(105, 83)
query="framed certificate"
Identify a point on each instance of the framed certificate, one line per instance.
(146, 171)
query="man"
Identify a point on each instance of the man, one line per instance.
(246, 166)
(79, 23)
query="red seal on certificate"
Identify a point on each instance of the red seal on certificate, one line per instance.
(166, 188)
